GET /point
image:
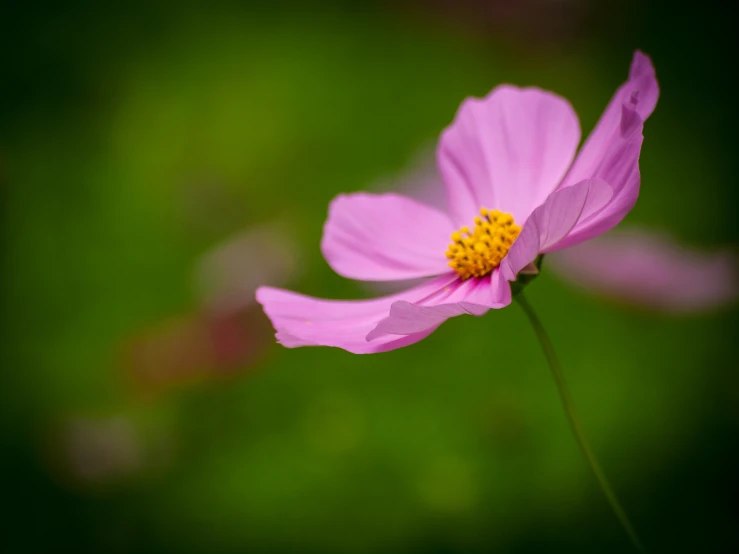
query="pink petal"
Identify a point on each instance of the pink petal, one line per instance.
(650, 270)
(385, 237)
(473, 296)
(640, 93)
(507, 151)
(549, 224)
(348, 324)
(611, 152)
(305, 321)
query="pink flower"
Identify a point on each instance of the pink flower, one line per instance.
(507, 164)
(192, 347)
(101, 449)
(226, 332)
(635, 266)
(650, 270)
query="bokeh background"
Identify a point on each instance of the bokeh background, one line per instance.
(137, 138)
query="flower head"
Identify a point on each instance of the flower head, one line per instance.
(513, 192)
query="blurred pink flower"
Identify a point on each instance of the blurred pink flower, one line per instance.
(650, 270)
(511, 151)
(227, 276)
(227, 330)
(192, 347)
(101, 449)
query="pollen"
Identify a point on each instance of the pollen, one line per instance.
(477, 252)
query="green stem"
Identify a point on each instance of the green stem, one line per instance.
(569, 407)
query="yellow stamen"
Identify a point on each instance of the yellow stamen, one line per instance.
(477, 253)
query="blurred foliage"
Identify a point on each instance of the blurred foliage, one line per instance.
(135, 138)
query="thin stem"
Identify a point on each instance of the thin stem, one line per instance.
(569, 407)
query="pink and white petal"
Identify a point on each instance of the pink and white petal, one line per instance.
(549, 224)
(385, 237)
(639, 94)
(306, 321)
(472, 297)
(650, 270)
(507, 151)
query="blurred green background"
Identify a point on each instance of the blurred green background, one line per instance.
(135, 138)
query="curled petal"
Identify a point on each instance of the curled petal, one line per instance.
(362, 326)
(474, 297)
(650, 270)
(612, 150)
(550, 224)
(385, 237)
(305, 321)
(620, 168)
(507, 151)
(639, 95)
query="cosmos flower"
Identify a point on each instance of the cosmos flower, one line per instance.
(513, 192)
(633, 266)
(650, 270)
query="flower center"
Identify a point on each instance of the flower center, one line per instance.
(476, 253)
